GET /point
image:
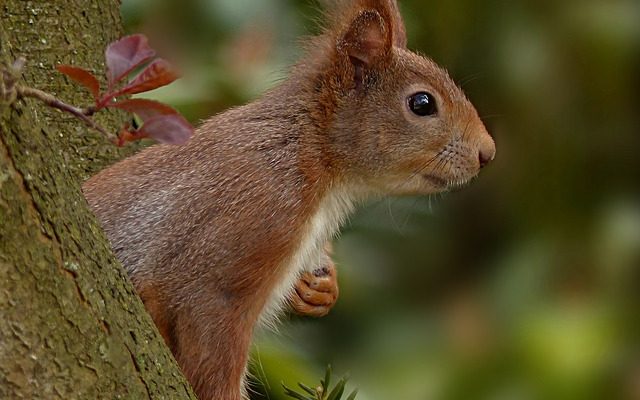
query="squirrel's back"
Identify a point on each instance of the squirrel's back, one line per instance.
(168, 205)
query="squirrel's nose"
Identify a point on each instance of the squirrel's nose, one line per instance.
(487, 151)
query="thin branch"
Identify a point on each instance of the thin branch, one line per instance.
(52, 101)
(9, 77)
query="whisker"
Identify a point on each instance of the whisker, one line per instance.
(490, 116)
(393, 219)
(409, 213)
(429, 162)
(442, 162)
(470, 78)
(421, 170)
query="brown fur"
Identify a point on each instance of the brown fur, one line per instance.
(208, 230)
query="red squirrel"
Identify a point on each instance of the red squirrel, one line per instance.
(215, 233)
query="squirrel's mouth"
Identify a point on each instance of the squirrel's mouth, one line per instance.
(445, 184)
(436, 181)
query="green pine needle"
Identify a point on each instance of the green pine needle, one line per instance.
(353, 395)
(307, 389)
(322, 392)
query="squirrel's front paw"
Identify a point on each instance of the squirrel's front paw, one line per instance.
(316, 292)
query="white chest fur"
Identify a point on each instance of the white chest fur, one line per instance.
(332, 212)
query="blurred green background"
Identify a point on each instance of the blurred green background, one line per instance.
(526, 285)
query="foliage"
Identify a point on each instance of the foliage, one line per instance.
(160, 121)
(323, 391)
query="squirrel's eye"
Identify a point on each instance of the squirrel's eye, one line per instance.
(423, 104)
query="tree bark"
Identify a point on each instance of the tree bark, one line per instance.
(71, 326)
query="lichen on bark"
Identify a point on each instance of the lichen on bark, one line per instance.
(70, 324)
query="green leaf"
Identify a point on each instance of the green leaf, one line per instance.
(353, 395)
(322, 393)
(337, 391)
(327, 379)
(307, 389)
(289, 392)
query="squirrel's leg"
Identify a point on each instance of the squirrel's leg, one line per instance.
(210, 345)
(212, 351)
(316, 292)
(156, 305)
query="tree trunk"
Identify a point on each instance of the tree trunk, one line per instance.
(71, 326)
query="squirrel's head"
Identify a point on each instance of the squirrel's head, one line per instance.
(397, 120)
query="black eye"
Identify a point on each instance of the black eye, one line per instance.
(423, 104)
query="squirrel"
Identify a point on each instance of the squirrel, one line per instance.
(218, 233)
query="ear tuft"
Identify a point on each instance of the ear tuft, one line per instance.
(367, 39)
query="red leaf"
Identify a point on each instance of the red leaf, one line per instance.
(124, 137)
(157, 74)
(169, 129)
(83, 77)
(144, 108)
(126, 54)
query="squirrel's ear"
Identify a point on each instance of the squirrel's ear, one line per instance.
(375, 29)
(367, 40)
(399, 31)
